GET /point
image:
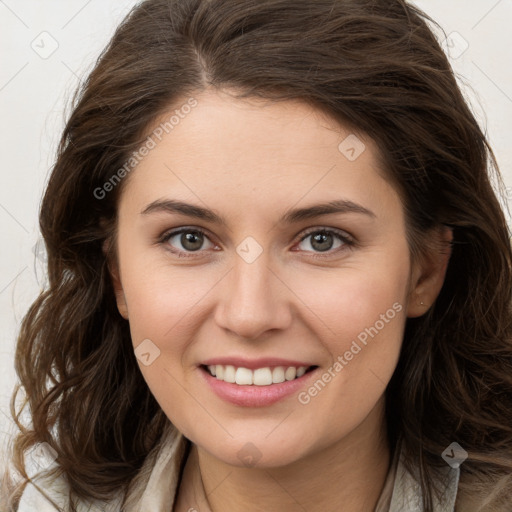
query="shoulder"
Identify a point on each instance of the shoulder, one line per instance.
(48, 491)
(407, 491)
(154, 487)
(52, 495)
(458, 491)
(476, 495)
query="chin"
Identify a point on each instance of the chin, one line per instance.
(258, 451)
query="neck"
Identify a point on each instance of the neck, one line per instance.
(351, 471)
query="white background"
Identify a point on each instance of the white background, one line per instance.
(34, 92)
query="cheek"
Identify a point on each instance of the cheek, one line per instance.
(162, 299)
(359, 317)
(346, 304)
(163, 304)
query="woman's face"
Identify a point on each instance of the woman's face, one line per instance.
(275, 282)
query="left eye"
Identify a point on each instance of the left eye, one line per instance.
(322, 240)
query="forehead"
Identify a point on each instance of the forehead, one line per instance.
(256, 151)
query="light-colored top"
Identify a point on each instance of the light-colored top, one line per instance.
(158, 482)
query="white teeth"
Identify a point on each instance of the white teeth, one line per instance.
(259, 377)
(262, 377)
(278, 374)
(243, 376)
(229, 374)
(290, 373)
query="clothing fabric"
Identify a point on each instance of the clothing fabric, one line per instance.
(158, 484)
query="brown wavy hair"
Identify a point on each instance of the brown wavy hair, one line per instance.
(374, 65)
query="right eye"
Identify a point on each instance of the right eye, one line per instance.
(190, 239)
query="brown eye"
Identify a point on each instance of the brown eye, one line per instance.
(185, 240)
(322, 241)
(191, 241)
(326, 240)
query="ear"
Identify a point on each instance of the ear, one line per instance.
(113, 268)
(427, 276)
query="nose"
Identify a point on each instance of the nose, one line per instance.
(253, 300)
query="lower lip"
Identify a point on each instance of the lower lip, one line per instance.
(254, 396)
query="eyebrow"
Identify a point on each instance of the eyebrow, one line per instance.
(290, 217)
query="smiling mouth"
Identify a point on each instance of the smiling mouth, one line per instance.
(259, 377)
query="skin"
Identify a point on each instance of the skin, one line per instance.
(251, 162)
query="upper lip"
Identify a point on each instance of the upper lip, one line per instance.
(253, 364)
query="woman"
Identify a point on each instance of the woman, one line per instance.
(279, 277)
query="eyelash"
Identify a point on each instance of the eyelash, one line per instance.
(348, 241)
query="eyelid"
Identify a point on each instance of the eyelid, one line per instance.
(170, 233)
(318, 229)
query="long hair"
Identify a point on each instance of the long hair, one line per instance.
(375, 65)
